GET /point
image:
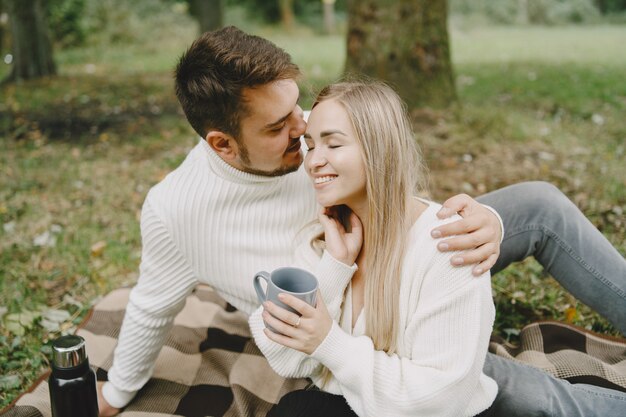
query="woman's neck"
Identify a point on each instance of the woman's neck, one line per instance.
(414, 207)
(362, 211)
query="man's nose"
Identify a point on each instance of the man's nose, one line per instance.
(299, 125)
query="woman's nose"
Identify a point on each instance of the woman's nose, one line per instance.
(316, 159)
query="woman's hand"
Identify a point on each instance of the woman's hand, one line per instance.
(304, 333)
(341, 244)
(479, 233)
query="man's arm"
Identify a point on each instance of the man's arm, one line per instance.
(164, 283)
(479, 233)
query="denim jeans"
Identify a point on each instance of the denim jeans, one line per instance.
(524, 391)
(540, 221)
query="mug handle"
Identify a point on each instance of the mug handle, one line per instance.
(257, 285)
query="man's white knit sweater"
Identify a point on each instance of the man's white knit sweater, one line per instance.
(446, 317)
(206, 222)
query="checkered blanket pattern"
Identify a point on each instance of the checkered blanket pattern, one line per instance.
(570, 353)
(210, 366)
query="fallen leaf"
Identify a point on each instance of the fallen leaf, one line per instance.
(510, 332)
(46, 265)
(53, 319)
(50, 326)
(45, 239)
(56, 315)
(98, 248)
(68, 299)
(570, 314)
(12, 324)
(519, 295)
(8, 382)
(9, 227)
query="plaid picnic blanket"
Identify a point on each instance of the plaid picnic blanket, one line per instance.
(568, 352)
(210, 366)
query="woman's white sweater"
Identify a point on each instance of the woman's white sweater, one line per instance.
(446, 318)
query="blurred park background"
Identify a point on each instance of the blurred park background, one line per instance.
(535, 90)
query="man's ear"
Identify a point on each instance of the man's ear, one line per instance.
(223, 144)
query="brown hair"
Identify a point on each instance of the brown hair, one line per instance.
(211, 76)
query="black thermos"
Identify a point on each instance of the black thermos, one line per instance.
(72, 382)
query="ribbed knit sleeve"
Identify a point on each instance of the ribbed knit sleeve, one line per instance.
(445, 347)
(165, 281)
(333, 277)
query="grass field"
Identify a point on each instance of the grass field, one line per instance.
(79, 152)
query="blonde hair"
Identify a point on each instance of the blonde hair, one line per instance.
(394, 174)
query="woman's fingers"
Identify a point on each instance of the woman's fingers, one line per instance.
(284, 320)
(280, 313)
(281, 339)
(301, 306)
(356, 227)
(279, 325)
(303, 333)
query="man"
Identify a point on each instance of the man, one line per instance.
(236, 203)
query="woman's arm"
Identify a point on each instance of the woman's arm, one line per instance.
(334, 271)
(333, 277)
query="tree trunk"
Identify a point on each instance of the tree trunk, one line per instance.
(329, 16)
(522, 11)
(32, 48)
(3, 21)
(286, 13)
(406, 44)
(209, 13)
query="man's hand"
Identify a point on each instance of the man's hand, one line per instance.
(104, 408)
(479, 233)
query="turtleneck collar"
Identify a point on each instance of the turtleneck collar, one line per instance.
(230, 173)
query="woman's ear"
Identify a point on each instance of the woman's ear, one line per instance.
(223, 144)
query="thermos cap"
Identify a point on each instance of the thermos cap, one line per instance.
(68, 351)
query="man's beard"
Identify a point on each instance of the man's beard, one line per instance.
(278, 172)
(244, 157)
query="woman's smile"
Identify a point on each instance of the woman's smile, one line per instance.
(324, 180)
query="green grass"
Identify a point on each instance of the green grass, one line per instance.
(319, 69)
(79, 152)
(588, 45)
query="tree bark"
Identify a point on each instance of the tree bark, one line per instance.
(329, 16)
(209, 13)
(286, 13)
(2, 26)
(32, 48)
(404, 42)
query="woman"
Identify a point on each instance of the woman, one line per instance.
(408, 334)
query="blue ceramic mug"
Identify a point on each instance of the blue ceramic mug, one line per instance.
(290, 280)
